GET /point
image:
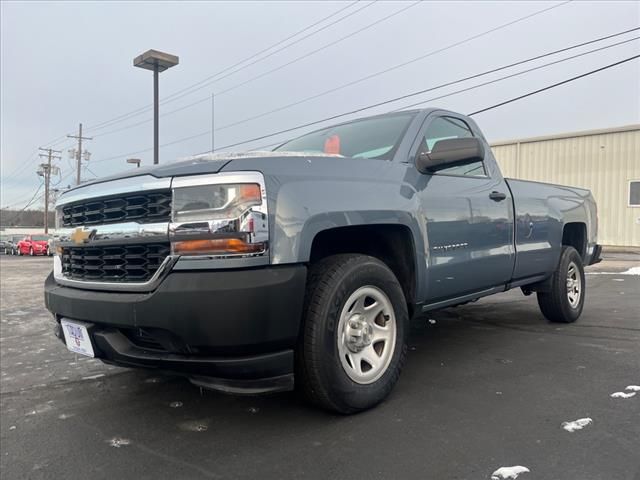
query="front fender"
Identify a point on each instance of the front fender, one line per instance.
(304, 208)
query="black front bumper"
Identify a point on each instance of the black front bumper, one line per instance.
(234, 330)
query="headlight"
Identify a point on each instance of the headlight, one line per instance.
(220, 219)
(214, 202)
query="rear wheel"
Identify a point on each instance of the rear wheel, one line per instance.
(564, 301)
(353, 344)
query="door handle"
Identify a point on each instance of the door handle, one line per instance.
(497, 196)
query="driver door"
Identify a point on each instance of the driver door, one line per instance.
(469, 227)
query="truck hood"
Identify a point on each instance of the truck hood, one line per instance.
(207, 163)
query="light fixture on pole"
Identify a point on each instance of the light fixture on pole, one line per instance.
(134, 161)
(157, 62)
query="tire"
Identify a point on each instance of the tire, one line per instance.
(559, 304)
(31, 252)
(325, 370)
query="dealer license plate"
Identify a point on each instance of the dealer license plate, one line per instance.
(77, 337)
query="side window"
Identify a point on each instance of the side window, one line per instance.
(443, 128)
(634, 193)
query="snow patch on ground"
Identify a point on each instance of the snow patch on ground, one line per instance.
(623, 394)
(194, 426)
(508, 473)
(576, 424)
(631, 271)
(117, 442)
(633, 388)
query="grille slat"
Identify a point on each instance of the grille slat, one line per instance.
(140, 207)
(128, 263)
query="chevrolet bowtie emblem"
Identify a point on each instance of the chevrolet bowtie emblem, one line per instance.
(80, 235)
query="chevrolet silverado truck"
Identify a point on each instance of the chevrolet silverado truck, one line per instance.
(249, 272)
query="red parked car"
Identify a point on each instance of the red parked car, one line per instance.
(34, 245)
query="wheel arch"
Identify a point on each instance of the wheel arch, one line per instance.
(574, 234)
(393, 244)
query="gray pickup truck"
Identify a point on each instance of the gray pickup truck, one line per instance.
(244, 272)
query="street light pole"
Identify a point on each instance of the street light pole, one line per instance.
(157, 62)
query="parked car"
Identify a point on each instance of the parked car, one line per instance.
(34, 245)
(244, 272)
(10, 245)
(4, 243)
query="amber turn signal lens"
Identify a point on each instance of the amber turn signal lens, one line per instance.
(216, 247)
(250, 191)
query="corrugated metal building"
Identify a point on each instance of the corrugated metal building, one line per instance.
(607, 162)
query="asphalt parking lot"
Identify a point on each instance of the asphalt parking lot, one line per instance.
(486, 385)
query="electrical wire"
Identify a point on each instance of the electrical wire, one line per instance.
(370, 76)
(279, 67)
(461, 80)
(179, 93)
(268, 72)
(106, 123)
(351, 112)
(31, 201)
(553, 85)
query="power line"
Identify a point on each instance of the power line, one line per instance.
(549, 87)
(471, 77)
(361, 79)
(112, 121)
(33, 199)
(319, 49)
(358, 110)
(30, 158)
(516, 74)
(214, 79)
(461, 42)
(172, 96)
(351, 112)
(280, 67)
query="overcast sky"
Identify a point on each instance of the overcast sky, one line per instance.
(70, 62)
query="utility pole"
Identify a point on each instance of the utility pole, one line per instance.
(78, 153)
(45, 171)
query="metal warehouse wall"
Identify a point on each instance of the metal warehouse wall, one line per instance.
(604, 161)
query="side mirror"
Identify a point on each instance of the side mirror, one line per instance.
(449, 152)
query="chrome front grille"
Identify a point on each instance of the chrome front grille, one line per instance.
(121, 263)
(141, 207)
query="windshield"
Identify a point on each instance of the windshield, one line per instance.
(39, 238)
(377, 138)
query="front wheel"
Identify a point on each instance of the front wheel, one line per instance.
(564, 301)
(353, 345)
(31, 252)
